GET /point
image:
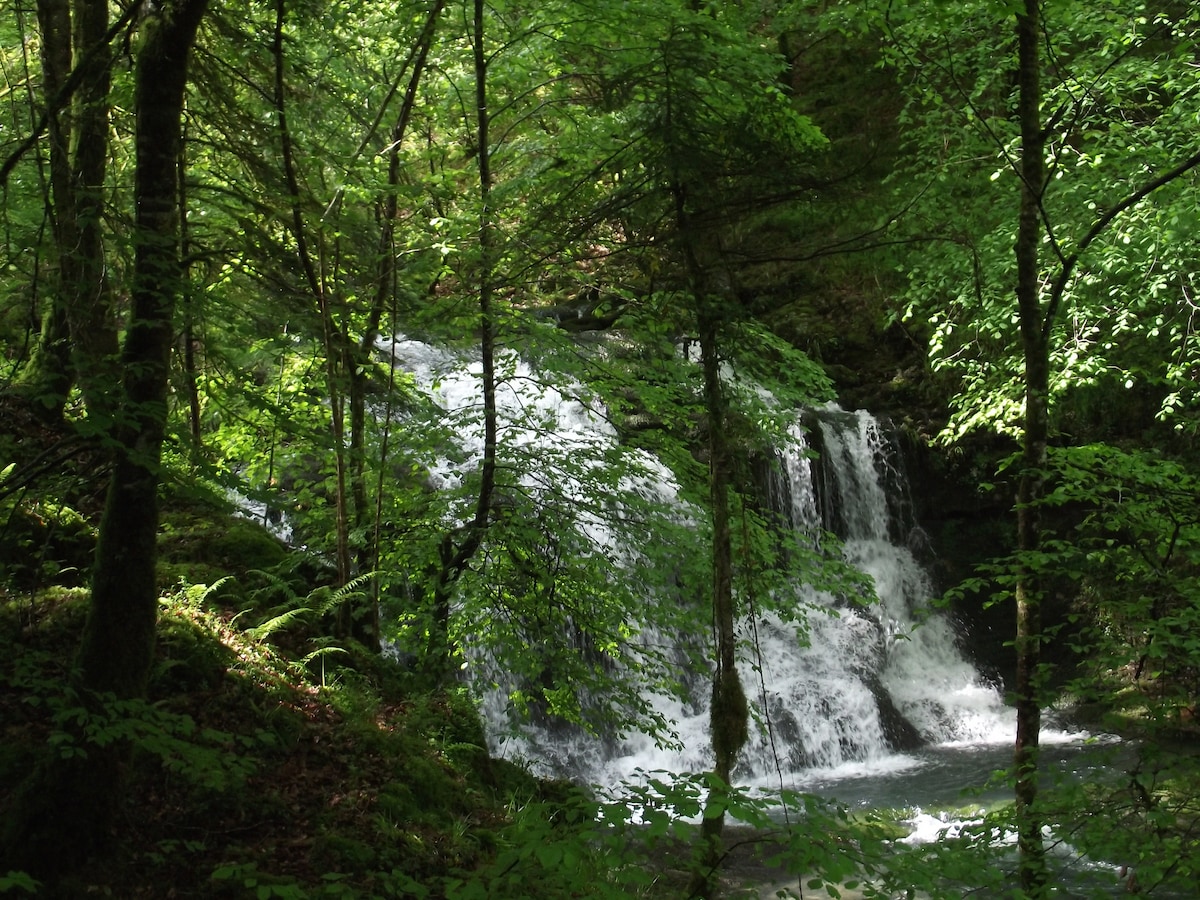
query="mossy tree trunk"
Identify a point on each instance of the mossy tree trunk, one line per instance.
(78, 338)
(729, 713)
(119, 637)
(64, 812)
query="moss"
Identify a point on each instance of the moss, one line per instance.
(339, 853)
(729, 717)
(188, 657)
(207, 536)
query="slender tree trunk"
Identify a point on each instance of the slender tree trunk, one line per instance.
(189, 339)
(47, 377)
(1038, 311)
(458, 547)
(365, 625)
(74, 49)
(729, 712)
(90, 305)
(337, 360)
(1035, 345)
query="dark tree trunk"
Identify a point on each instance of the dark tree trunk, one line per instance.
(364, 625)
(459, 547)
(75, 50)
(119, 637)
(89, 300)
(729, 714)
(1035, 345)
(46, 378)
(64, 811)
(338, 355)
(1038, 317)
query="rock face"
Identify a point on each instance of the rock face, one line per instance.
(966, 526)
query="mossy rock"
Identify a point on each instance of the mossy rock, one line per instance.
(243, 545)
(340, 853)
(189, 658)
(234, 544)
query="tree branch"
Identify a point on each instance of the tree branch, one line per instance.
(60, 100)
(1068, 267)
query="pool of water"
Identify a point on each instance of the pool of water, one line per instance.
(938, 790)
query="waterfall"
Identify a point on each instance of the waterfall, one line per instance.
(872, 680)
(857, 685)
(865, 683)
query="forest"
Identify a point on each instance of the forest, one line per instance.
(409, 409)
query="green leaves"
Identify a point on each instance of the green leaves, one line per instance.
(1117, 108)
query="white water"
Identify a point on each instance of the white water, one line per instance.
(828, 694)
(822, 696)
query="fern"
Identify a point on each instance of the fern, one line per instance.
(317, 603)
(280, 622)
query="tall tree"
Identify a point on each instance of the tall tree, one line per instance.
(1035, 433)
(459, 545)
(67, 806)
(1054, 231)
(78, 340)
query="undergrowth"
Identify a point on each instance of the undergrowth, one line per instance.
(250, 775)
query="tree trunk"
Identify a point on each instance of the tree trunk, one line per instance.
(365, 622)
(74, 48)
(46, 379)
(1035, 345)
(89, 299)
(338, 359)
(458, 547)
(729, 713)
(64, 811)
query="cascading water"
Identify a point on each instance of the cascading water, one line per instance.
(866, 682)
(861, 683)
(875, 679)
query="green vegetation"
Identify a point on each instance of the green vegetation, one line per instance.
(686, 219)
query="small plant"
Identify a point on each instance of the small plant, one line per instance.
(14, 881)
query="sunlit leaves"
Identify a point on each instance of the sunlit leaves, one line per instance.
(1120, 104)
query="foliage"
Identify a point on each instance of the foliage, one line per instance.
(1116, 93)
(331, 196)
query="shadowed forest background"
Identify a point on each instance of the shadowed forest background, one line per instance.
(290, 289)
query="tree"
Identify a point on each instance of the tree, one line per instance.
(1065, 224)
(78, 339)
(118, 640)
(709, 119)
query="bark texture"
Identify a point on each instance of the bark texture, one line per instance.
(1035, 346)
(78, 339)
(65, 810)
